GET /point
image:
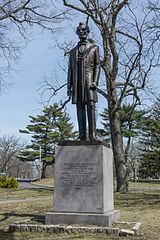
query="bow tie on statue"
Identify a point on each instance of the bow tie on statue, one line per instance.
(82, 46)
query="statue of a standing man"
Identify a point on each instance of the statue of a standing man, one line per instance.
(83, 76)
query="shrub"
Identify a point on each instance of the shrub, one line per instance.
(6, 182)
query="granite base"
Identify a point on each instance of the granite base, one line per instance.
(83, 180)
(83, 185)
(82, 218)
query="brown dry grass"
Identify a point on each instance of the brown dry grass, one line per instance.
(141, 207)
(138, 206)
(49, 182)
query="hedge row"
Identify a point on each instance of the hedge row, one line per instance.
(6, 182)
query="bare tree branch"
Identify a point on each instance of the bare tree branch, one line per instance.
(19, 16)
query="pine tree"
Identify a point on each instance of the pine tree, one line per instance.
(150, 144)
(46, 131)
(131, 121)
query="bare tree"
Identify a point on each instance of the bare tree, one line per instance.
(10, 146)
(129, 51)
(16, 18)
(154, 6)
(127, 32)
(133, 160)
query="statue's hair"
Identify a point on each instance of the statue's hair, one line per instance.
(86, 26)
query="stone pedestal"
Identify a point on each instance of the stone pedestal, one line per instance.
(83, 192)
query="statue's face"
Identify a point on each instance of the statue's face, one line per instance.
(82, 32)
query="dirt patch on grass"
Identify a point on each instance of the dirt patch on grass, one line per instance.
(48, 182)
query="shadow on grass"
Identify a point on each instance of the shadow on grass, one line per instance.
(34, 217)
(6, 235)
(41, 191)
(140, 199)
(38, 189)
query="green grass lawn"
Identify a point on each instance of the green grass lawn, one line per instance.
(136, 206)
(143, 186)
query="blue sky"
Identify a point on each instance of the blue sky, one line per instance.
(22, 98)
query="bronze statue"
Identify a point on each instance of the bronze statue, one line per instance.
(83, 76)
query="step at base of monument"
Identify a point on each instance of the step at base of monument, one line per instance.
(106, 219)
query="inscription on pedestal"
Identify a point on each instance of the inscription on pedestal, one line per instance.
(83, 179)
(78, 175)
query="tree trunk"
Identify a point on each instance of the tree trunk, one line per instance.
(117, 141)
(43, 174)
(119, 155)
(134, 173)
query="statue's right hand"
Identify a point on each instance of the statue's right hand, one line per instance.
(93, 86)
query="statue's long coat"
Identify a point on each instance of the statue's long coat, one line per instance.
(89, 73)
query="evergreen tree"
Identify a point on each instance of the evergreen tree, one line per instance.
(47, 130)
(150, 144)
(131, 121)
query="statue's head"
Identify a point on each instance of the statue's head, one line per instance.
(82, 31)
